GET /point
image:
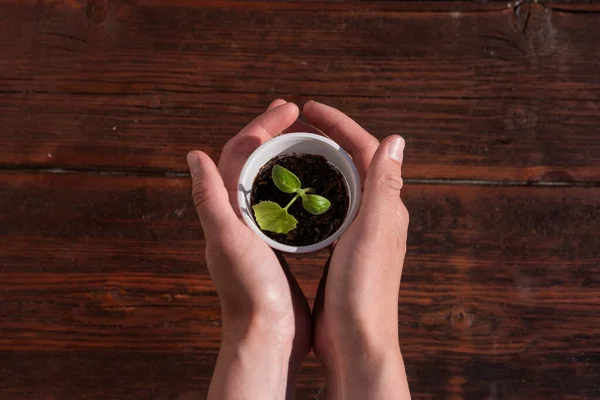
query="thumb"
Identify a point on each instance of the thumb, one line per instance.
(210, 196)
(381, 195)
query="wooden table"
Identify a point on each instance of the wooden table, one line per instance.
(104, 293)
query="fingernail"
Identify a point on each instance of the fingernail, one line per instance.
(194, 163)
(395, 149)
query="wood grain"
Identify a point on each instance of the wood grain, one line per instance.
(480, 90)
(104, 291)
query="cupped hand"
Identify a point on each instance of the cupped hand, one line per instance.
(266, 318)
(356, 310)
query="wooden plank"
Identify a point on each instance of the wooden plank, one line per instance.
(104, 291)
(322, 5)
(478, 93)
(119, 375)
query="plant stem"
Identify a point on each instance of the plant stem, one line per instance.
(293, 200)
(300, 192)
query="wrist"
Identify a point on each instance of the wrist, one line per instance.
(367, 358)
(258, 331)
(252, 361)
(361, 360)
(369, 374)
(259, 354)
(362, 338)
(249, 366)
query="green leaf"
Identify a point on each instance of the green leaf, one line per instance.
(315, 204)
(285, 179)
(272, 217)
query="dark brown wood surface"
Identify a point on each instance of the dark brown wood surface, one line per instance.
(104, 292)
(497, 92)
(103, 276)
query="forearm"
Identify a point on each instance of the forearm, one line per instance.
(254, 362)
(364, 361)
(369, 374)
(252, 369)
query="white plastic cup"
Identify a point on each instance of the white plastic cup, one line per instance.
(300, 142)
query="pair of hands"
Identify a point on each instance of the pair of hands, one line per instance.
(268, 328)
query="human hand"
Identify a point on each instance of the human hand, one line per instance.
(356, 310)
(266, 318)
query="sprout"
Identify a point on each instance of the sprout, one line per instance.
(272, 217)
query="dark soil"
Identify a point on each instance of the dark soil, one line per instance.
(314, 172)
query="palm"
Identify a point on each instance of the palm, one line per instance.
(330, 301)
(267, 281)
(271, 288)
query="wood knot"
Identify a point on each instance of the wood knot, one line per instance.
(157, 101)
(97, 12)
(519, 118)
(461, 319)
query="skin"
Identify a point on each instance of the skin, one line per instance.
(268, 328)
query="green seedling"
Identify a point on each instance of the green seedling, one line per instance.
(272, 217)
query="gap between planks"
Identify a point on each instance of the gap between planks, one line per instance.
(157, 173)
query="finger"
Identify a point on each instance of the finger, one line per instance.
(381, 195)
(303, 126)
(264, 127)
(346, 132)
(276, 103)
(238, 149)
(210, 197)
(299, 125)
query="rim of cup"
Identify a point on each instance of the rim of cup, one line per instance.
(298, 142)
